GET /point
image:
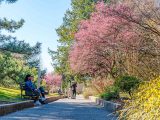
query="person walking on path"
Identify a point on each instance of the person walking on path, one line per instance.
(74, 92)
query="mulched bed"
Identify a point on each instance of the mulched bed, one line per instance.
(120, 101)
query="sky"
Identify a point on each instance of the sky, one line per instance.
(41, 17)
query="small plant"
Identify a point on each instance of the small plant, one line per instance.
(88, 92)
(99, 85)
(127, 83)
(111, 93)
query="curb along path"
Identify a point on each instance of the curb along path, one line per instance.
(12, 107)
(64, 109)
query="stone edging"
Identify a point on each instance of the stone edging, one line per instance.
(51, 99)
(13, 107)
(107, 105)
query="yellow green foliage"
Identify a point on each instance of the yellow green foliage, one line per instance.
(10, 95)
(145, 104)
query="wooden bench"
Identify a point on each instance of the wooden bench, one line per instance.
(26, 94)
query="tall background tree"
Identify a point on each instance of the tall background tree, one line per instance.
(17, 58)
(80, 10)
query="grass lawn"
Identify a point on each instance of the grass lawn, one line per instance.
(9, 95)
(12, 95)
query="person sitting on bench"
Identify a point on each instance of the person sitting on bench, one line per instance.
(31, 88)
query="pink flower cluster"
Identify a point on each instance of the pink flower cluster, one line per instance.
(53, 79)
(99, 38)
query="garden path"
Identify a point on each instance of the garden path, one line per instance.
(64, 109)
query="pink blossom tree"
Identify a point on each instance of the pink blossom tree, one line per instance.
(53, 79)
(101, 39)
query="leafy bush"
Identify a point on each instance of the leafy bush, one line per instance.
(13, 71)
(111, 93)
(127, 83)
(88, 92)
(99, 85)
(145, 103)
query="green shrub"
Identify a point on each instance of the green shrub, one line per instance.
(111, 93)
(13, 71)
(127, 83)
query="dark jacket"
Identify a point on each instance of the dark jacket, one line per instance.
(74, 86)
(29, 86)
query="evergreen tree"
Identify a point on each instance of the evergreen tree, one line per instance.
(81, 9)
(11, 44)
(8, 1)
(17, 58)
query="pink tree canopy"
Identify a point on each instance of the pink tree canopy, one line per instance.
(53, 79)
(100, 38)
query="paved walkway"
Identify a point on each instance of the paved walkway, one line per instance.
(64, 109)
